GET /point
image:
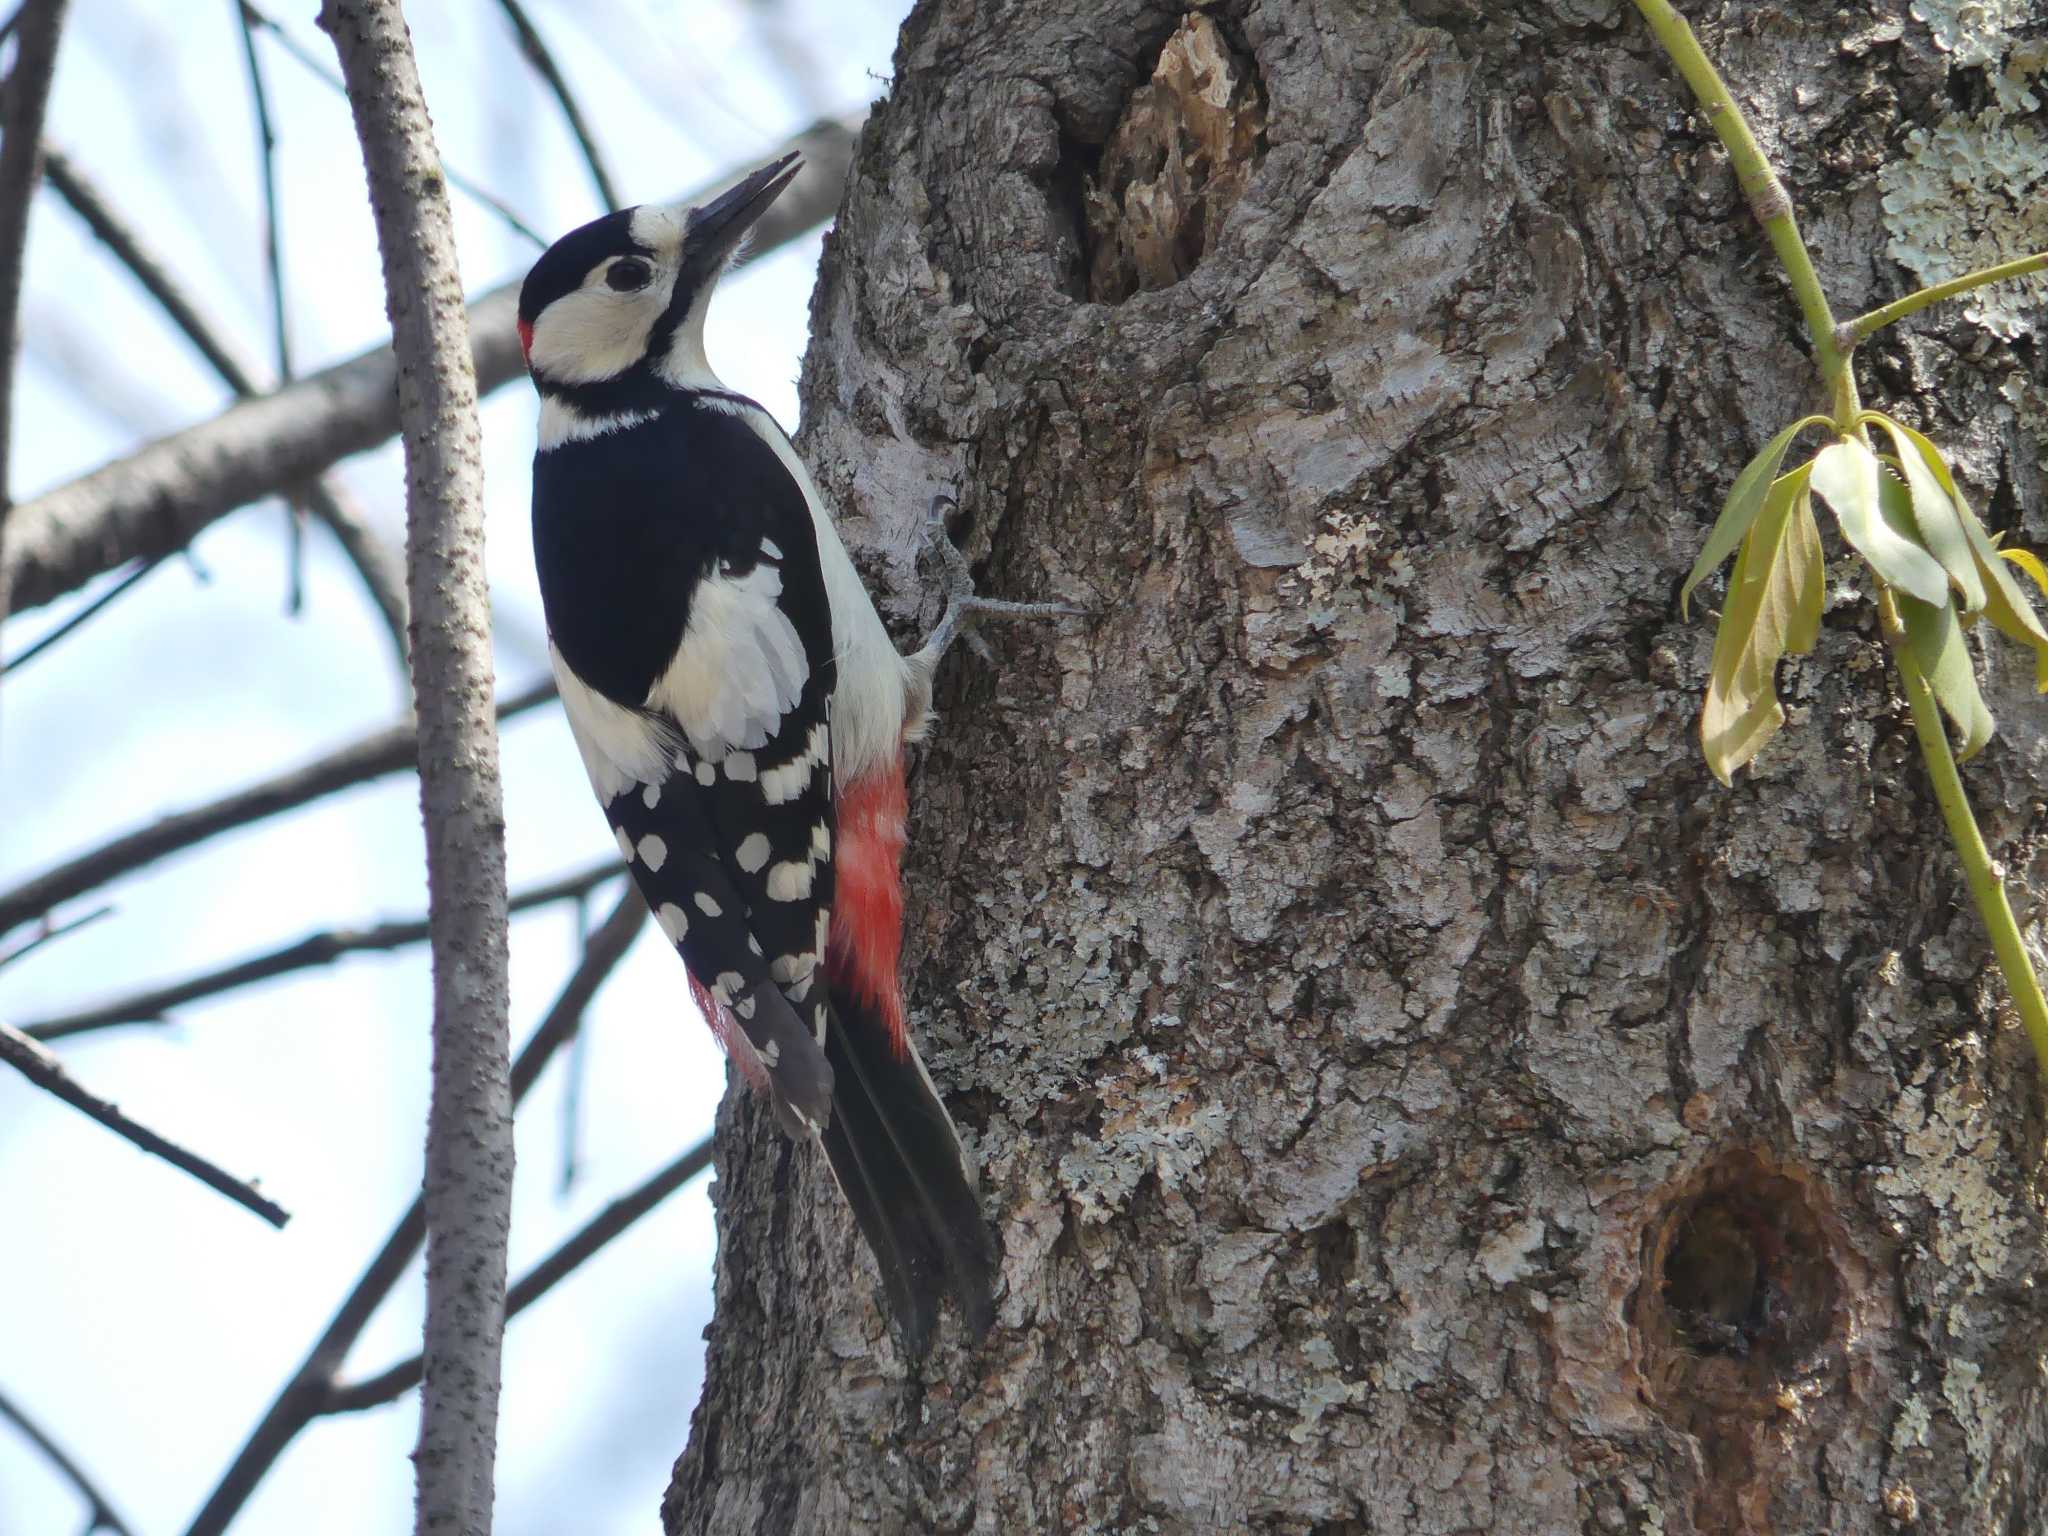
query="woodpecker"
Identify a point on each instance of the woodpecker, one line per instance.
(742, 714)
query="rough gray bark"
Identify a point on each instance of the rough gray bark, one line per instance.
(467, 1193)
(1411, 1095)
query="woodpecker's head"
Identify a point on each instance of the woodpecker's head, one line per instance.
(615, 310)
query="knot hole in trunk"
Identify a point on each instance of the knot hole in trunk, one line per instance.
(1154, 196)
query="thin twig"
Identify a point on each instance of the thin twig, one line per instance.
(298, 1402)
(99, 1511)
(376, 562)
(468, 1185)
(47, 932)
(77, 620)
(389, 1385)
(266, 147)
(273, 267)
(23, 102)
(120, 237)
(164, 494)
(466, 185)
(1852, 332)
(535, 48)
(315, 949)
(391, 750)
(43, 1069)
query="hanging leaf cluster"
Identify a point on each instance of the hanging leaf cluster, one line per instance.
(1904, 514)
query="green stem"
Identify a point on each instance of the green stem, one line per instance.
(1767, 200)
(1986, 889)
(1862, 326)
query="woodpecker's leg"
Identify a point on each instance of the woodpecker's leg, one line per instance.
(962, 606)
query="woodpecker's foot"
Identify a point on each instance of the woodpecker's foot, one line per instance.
(962, 606)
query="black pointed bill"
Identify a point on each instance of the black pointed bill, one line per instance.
(717, 227)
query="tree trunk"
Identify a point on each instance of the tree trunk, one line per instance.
(1411, 1095)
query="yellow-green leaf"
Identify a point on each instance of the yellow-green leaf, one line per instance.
(1738, 512)
(1935, 635)
(2030, 562)
(2004, 603)
(1848, 477)
(1773, 608)
(1934, 515)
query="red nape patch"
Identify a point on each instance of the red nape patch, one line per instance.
(526, 341)
(736, 1045)
(867, 905)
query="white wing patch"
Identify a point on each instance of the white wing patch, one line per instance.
(619, 746)
(739, 669)
(872, 693)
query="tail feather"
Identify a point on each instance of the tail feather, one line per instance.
(897, 1158)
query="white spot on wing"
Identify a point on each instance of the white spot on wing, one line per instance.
(625, 844)
(706, 774)
(707, 904)
(821, 841)
(653, 852)
(651, 796)
(771, 549)
(739, 767)
(675, 922)
(783, 783)
(752, 853)
(789, 882)
(728, 985)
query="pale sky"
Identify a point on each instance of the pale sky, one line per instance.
(145, 1321)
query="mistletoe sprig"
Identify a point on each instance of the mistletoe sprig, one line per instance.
(1935, 568)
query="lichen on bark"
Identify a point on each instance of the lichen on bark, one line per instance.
(1351, 984)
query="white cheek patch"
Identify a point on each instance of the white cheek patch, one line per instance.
(595, 334)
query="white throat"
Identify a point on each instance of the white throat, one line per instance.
(685, 365)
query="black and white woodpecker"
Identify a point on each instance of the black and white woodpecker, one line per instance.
(742, 714)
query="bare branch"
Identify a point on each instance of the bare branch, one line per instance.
(23, 102)
(376, 562)
(43, 1069)
(266, 148)
(76, 621)
(314, 950)
(536, 50)
(472, 189)
(468, 1187)
(99, 1511)
(158, 498)
(273, 269)
(388, 1385)
(120, 237)
(299, 1401)
(390, 750)
(46, 932)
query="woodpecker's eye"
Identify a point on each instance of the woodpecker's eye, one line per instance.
(627, 274)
